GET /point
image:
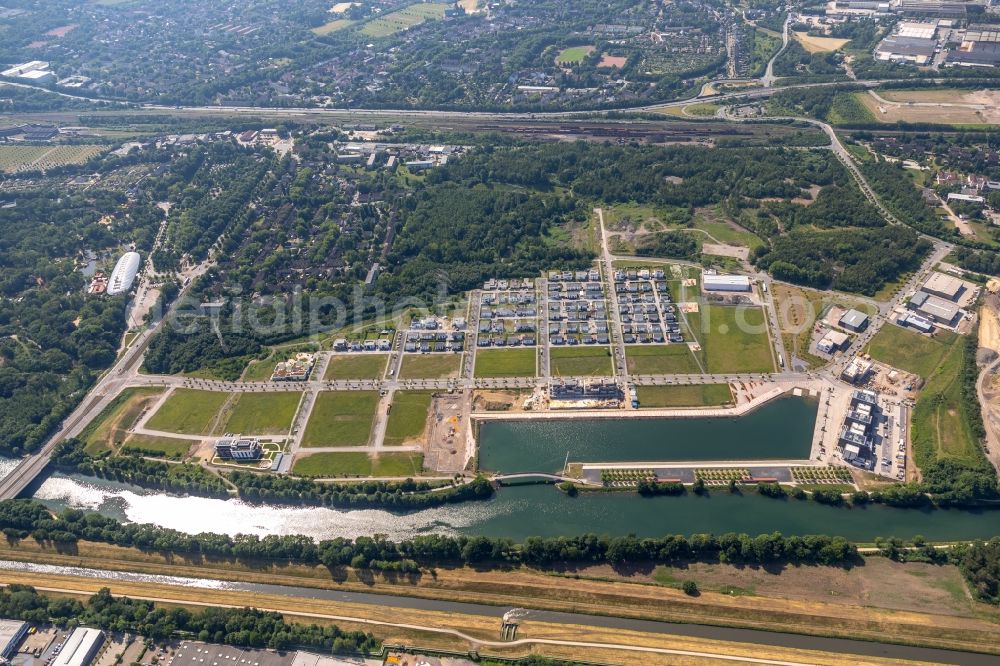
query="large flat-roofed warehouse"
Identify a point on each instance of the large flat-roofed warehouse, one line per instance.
(193, 653)
(918, 50)
(726, 282)
(854, 321)
(81, 647)
(975, 54)
(12, 632)
(944, 286)
(932, 8)
(934, 307)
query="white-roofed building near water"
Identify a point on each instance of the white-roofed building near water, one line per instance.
(124, 273)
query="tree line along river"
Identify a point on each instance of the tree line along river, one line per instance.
(781, 429)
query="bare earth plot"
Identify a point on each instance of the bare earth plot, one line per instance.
(819, 44)
(954, 107)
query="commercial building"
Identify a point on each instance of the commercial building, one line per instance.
(915, 29)
(968, 198)
(81, 647)
(237, 447)
(932, 8)
(12, 632)
(915, 322)
(933, 307)
(854, 321)
(975, 54)
(856, 440)
(857, 371)
(944, 286)
(734, 283)
(35, 71)
(124, 273)
(917, 50)
(832, 342)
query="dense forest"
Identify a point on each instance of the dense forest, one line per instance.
(54, 337)
(244, 627)
(855, 260)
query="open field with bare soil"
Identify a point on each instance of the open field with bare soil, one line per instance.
(819, 44)
(954, 107)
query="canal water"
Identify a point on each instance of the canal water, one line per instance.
(779, 430)
(782, 429)
(522, 511)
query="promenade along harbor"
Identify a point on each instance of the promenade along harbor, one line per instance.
(780, 429)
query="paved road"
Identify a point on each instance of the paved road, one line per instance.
(607, 265)
(769, 78)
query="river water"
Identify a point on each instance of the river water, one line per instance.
(780, 429)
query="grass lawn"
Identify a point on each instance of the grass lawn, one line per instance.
(359, 464)
(732, 338)
(430, 366)
(14, 158)
(341, 418)
(505, 362)
(171, 447)
(408, 416)
(356, 366)
(112, 424)
(910, 351)
(574, 55)
(696, 395)
(332, 26)
(940, 426)
(403, 19)
(263, 413)
(713, 222)
(581, 361)
(188, 411)
(660, 360)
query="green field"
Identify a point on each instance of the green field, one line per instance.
(359, 464)
(660, 360)
(940, 425)
(505, 362)
(14, 159)
(714, 223)
(430, 366)
(910, 351)
(573, 55)
(332, 26)
(188, 411)
(356, 366)
(694, 395)
(403, 19)
(263, 413)
(726, 346)
(408, 416)
(581, 361)
(341, 418)
(112, 424)
(171, 447)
